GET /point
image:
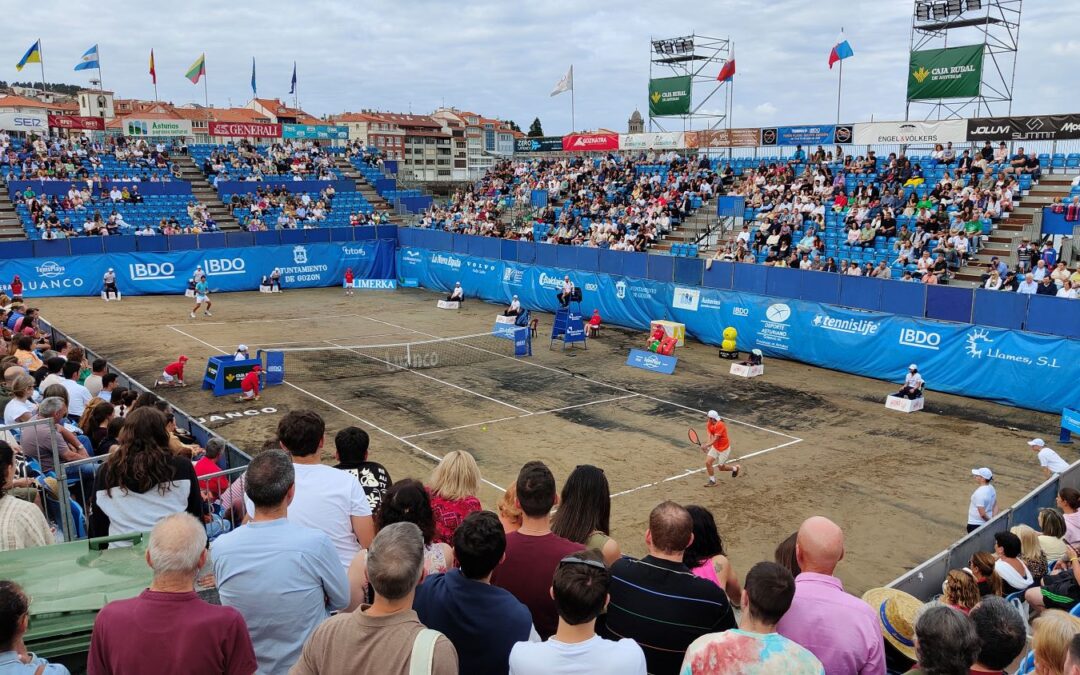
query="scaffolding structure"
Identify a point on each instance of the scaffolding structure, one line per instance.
(995, 24)
(700, 58)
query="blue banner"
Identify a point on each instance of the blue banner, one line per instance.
(243, 187)
(227, 269)
(824, 134)
(657, 363)
(1055, 223)
(955, 358)
(319, 131)
(1070, 419)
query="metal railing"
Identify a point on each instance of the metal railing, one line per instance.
(924, 581)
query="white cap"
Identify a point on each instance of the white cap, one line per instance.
(241, 348)
(913, 367)
(515, 297)
(110, 269)
(756, 352)
(713, 415)
(457, 283)
(984, 473)
(1037, 442)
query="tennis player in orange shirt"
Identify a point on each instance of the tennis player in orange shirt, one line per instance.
(717, 449)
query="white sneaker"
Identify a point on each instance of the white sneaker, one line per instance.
(193, 315)
(208, 314)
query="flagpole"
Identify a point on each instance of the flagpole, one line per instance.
(573, 117)
(206, 93)
(41, 62)
(100, 82)
(839, 84)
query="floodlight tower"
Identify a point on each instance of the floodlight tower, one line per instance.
(699, 58)
(994, 24)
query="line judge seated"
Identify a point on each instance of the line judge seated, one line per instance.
(456, 295)
(913, 384)
(514, 309)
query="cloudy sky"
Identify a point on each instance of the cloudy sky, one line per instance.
(502, 58)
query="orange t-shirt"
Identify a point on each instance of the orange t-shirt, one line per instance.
(719, 429)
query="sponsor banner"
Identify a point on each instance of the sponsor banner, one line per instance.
(540, 144)
(227, 269)
(825, 134)
(375, 284)
(652, 141)
(670, 95)
(954, 358)
(249, 129)
(1030, 128)
(906, 133)
(590, 142)
(316, 131)
(1070, 420)
(955, 72)
(657, 363)
(24, 121)
(724, 138)
(77, 122)
(171, 128)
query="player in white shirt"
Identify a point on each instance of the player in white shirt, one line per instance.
(913, 383)
(1050, 461)
(514, 309)
(456, 295)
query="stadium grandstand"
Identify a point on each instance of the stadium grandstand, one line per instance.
(808, 401)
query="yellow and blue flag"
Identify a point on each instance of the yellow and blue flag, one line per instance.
(32, 55)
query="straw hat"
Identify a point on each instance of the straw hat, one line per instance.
(896, 612)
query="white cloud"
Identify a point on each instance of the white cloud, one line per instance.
(501, 58)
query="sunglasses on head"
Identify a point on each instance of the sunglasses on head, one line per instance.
(571, 560)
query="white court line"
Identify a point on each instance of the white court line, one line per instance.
(691, 472)
(604, 384)
(297, 318)
(517, 417)
(374, 426)
(307, 342)
(425, 375)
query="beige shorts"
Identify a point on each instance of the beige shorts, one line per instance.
(719, 457)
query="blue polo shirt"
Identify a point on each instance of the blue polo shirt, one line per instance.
(482, 621)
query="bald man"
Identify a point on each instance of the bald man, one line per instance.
(840, 629)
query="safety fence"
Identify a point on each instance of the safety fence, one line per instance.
(1033, 313)
(924, 581)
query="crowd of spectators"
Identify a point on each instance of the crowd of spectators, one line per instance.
(276, 208)
(341, 569)
(245, 161)
(116, 160)
(620, 203)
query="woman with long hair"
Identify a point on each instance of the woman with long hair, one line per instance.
(95, 423)
(706, 556)
(406, 501)
(584, 514)
(784, 555)
(1051, 634)
(453, 486)
(24, 526)
(1068, 500)
(509, 512)
(141, 481)
(982, 568)
(1031, 553)
(1052, 527)
(960, 591)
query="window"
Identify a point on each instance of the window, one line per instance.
(489, 139)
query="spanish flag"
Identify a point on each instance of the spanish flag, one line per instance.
(32, 55)
(153, 71)
(197, 69)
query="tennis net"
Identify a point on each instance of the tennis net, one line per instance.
(338, 361)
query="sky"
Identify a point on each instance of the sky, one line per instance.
(502, 58)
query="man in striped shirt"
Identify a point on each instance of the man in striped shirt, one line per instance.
(657, 601)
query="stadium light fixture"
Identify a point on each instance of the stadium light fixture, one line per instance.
(922, 12)
(941, 11)
(974, 5)
(658, 46)
(956, 7)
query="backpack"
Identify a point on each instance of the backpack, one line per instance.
(423, 652)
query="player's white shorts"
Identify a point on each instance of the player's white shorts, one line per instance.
(165, 377)
(250, 395)
(720, 457)
(199, 299)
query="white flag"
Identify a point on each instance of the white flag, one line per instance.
(565, 84)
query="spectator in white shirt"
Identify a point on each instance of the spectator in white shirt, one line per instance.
(1040, 270)
(78, 395)
(1050, 461)
(1067, 291)
(983, 505)
(1028, 285)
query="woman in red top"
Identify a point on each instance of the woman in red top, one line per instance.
(453, 487)
(348, 281)
(16, 287)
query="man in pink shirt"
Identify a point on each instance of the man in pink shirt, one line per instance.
(840, 629)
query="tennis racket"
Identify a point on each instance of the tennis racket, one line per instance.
(692, 435)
